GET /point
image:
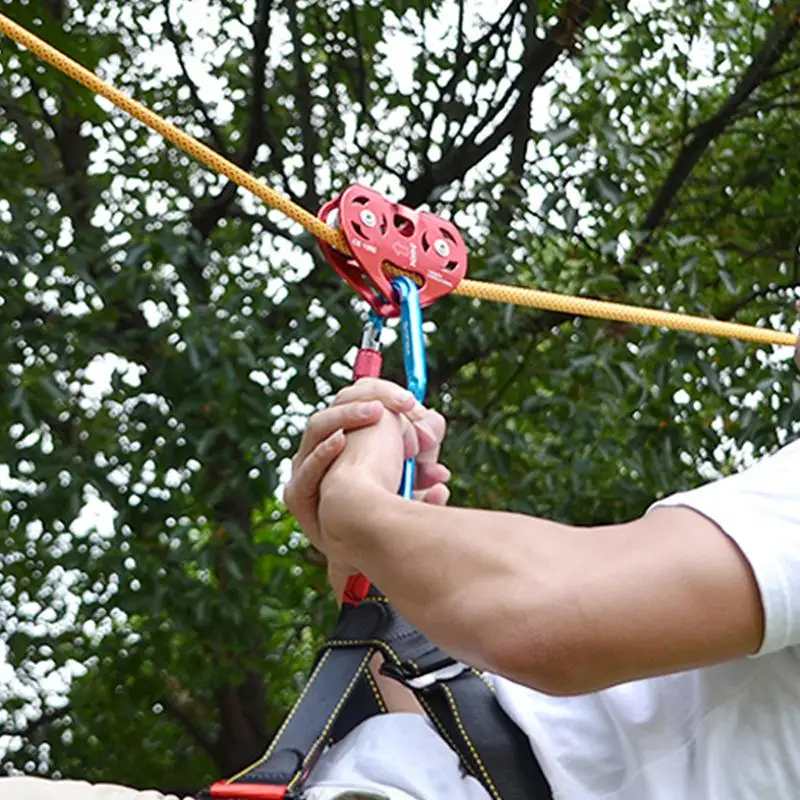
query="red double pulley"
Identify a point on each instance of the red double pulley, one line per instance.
(383, 235)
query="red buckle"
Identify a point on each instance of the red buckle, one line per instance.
(356, 590)
(246, 791)
(380, 234)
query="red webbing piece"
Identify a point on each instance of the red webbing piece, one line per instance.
(246, 791)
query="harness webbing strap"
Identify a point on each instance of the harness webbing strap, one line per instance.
(492, 747)
(340, 694)
(338, 676)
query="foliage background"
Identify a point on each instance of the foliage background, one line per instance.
(164, 337)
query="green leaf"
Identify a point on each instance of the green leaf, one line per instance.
(561, 135)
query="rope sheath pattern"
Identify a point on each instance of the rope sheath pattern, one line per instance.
(500, 293)
(601, 309)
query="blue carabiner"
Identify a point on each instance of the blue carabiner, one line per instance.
(414, 360)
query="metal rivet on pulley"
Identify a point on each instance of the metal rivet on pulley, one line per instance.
(368, 218)
(442, 248)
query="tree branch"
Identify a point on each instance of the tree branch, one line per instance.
(188, 724)
(257, 127)
(519, 141)
(199, 105)
(537, 63)
(206, 216)
(363, 83)
(776, 43)
(309, 141)
(465, 56)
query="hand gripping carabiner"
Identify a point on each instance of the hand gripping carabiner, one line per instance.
(368, 360)
(368, 364)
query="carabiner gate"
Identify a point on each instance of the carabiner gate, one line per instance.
(414, 360)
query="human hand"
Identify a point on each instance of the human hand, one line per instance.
(371, 454)
(416, 431)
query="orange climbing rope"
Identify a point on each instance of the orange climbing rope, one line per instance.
(532, 298)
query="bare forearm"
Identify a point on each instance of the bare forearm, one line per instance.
(462, 576)
(562, 609)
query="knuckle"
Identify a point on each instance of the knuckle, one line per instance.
(364, 388)
(345, 395)
(438, 424)
(438, 418)
(317, 425)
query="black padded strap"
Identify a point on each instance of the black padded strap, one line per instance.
(318, 716)
(467, 714)
(365, 702)
(341, 693)
(462, 705)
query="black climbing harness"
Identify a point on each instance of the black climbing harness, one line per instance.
(341, 693)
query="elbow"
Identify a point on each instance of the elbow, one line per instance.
(536, 646)
(548, 668)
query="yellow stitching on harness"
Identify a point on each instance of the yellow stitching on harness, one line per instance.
(457, 716)
(288, 719)
(376, 643)
(329, 724)
(439, 726)
(489, 685)
(376, 691)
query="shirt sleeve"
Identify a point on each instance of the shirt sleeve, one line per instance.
(759, 509)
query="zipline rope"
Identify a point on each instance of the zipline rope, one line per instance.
(517, 295)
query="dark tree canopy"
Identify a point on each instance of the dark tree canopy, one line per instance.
(158, 608)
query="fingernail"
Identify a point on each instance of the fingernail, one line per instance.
(336, 438)
(367, 409)
(404, 397)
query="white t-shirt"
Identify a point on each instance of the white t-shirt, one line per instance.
(728, 732)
